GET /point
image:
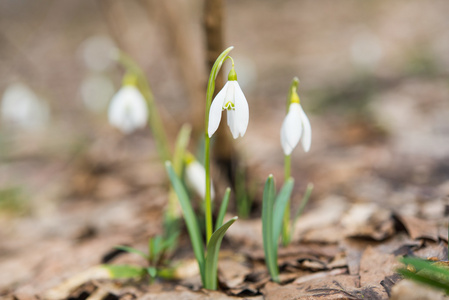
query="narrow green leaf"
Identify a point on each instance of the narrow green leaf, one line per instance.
(152, 271)
(428, 266)
(189, 217)
(424, 279)
(267, 228)
(132, 250)
(155, 248)
(213, 247)
(302, 205)
(124, 271)
(223, 208)
(279, 207)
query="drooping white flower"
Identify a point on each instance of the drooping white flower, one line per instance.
(196, 177)
(128, 109)
(231, 99)
(22, 107)
(295, 125)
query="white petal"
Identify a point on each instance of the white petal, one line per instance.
(215, 110)
(241, 110)
(291, 129)
(128, 110)
(307, 137)
(232, 123)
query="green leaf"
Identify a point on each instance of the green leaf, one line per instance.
(155, 248)
(426, 272)
(223, 208)
(302, 205)
(281, 203)
(267, 228)
(189, 217)
(124, 271)
(213, 247)
(152, 271)
(427, 266)
(424, 279)
(132, 250)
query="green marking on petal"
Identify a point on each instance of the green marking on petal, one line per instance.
(229, 106)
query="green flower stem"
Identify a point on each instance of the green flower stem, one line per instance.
(209, 94)
(286, 223)
(154, 117)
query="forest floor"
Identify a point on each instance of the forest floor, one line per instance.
(379, 163)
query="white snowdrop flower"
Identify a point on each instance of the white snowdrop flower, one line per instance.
(295, 125)
(196, 177)
(230, 98)
(128, 109)
(21, 107)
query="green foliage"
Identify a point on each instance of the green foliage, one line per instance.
(426, 272)
(207, 263)
(213, 247)
(267, 228)
(272, 217)
(223, 209)
(125, 271)
(189, 217)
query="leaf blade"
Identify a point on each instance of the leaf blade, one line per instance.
(124, 271)
(223, 208)
(189, 217)
(267, 228)
(132, 250)
(213, 247)
(280, 205)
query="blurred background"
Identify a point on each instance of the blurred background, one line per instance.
(373, 80)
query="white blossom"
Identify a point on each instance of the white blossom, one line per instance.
(295, 125)
(128, 109)
(231, 99)
(22, 107)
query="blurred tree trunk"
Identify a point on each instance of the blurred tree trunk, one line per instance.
(224, 150)
(113, 13)
(176, 23)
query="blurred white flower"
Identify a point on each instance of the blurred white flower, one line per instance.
(230, 98)
(196, 177)
(295, 125)
(96, 91)
(21, 106)
(128, 109)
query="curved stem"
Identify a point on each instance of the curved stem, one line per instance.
(209, 94)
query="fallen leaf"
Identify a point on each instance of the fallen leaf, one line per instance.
(419, 228)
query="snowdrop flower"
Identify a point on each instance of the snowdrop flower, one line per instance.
(196, 176)
(295, 125)
(22, 107)
(230, 98)
(128, 109)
